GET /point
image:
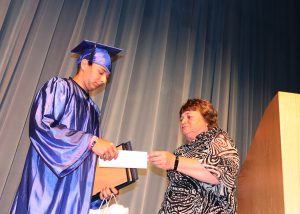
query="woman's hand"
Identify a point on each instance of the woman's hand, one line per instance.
(107, 192)
(162, 159)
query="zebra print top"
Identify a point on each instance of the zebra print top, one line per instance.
(217, 152)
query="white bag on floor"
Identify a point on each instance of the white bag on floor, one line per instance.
(110, 209)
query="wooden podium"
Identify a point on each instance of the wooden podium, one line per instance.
(269, 181)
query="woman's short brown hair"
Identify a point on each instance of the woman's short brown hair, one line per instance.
(205, 108)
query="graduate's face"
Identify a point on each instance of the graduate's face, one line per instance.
(192, 123)
(94, 76)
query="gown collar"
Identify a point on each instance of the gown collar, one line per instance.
(85, 93)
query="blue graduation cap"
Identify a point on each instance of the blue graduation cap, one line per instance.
(96, 53)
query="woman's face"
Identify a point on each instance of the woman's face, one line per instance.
(192, 123)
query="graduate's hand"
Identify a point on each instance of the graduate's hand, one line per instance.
(162, 159)
(105, 150)
(107, 192)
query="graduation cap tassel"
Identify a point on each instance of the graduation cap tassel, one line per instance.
(92, 55)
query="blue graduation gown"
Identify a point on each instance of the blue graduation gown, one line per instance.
(59, 170)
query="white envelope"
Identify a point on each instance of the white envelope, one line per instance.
(127, 159)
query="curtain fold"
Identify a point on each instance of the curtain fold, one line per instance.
(235, 54)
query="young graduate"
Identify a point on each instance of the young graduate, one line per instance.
(64, 133)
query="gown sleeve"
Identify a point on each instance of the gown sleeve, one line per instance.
(63, 149)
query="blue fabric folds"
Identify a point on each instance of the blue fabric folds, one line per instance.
(59, 169)
(97, 204)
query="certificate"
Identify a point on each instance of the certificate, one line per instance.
(113, 176)
(127, 159)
